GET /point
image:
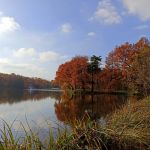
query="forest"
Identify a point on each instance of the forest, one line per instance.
(13, 81)
(126, 68)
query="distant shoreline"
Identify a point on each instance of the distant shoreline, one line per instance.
(46, 90)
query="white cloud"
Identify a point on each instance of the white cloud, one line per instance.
(106, 13)
(141, 27)
(1, 13)
(91, 34)
(26, 69)
(141, 8)
(4, 61)
(49, 56)
(44, 56)
(25, 52)
(8, 24)
(66, 28)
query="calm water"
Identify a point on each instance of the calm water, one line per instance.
(40, 108)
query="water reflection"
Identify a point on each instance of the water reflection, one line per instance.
(69, 109)
(43, 107)
(12, 96)
(37, 108)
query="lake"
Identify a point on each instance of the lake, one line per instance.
(41, 109)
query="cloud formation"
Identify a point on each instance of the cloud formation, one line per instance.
(141, 8)
(66, 28)
(8, 24)
(8, 65)
(43, 56)
(106, 13)
(49, 56)
(141, 27)
(25, 52)
(31, 62)
(1, 13)
(91, 34)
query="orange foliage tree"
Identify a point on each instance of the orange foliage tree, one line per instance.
(139, 73)
(118, 63)
(116, 75)
(73, 74)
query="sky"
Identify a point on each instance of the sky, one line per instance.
(36, 36)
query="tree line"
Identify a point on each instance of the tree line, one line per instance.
(20, 82)
(127, 67)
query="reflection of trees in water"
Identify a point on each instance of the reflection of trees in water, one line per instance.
(102, 105)
(13, 96)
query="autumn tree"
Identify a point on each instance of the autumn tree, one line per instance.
(73, 74)
(120, 60)
(110, 80)
(139, 73)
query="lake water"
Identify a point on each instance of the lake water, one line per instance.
(40, 109)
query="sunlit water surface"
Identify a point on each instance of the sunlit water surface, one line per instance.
(40, 110)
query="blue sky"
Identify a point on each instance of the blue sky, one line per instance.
(36, 36)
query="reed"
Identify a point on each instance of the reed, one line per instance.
(126, 129)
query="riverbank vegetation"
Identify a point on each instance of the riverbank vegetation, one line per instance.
(126, 69)
(127, 129)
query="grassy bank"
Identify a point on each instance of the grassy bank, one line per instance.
(130, 126)
(127, 129)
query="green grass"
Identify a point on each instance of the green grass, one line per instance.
(127, 129)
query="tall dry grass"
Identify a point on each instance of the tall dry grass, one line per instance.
(126, 129)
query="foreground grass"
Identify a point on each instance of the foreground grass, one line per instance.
(128, 128)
